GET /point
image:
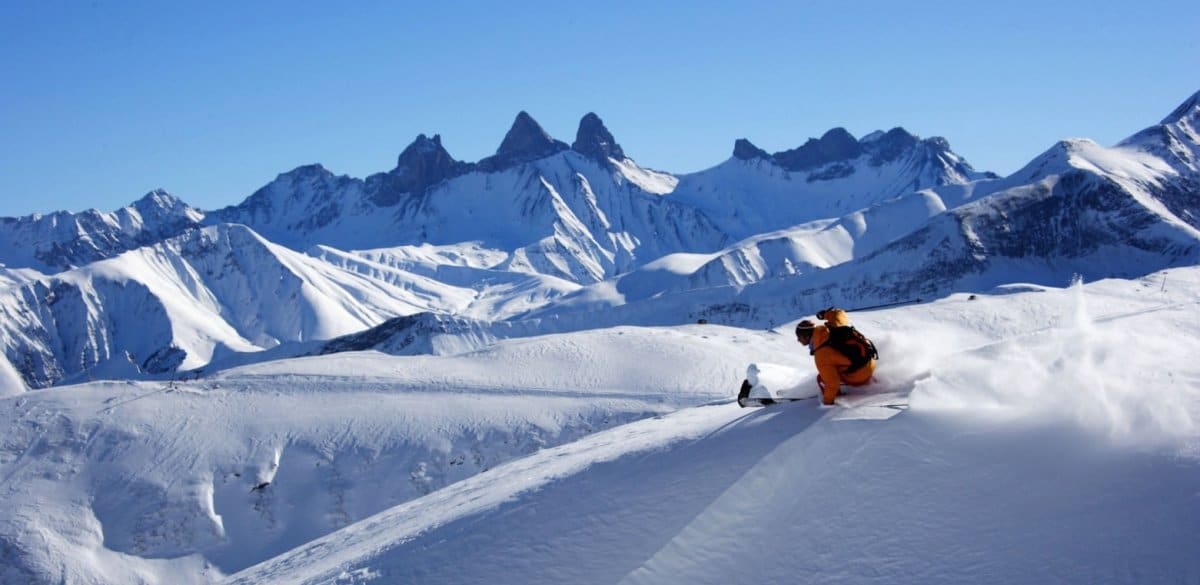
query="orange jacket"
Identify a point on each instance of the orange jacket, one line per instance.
(831, 364)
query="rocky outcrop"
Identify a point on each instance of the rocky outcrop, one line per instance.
(525, 141)
(594, 141)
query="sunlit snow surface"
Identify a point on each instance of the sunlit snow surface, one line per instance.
(1033, 435)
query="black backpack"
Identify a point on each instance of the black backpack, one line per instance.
(849, 342)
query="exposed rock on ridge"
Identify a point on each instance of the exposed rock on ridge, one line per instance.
(525, 141)
(594, 141)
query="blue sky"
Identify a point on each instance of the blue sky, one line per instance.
(103, 101)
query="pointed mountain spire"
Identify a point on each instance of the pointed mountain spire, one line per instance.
(594, 141)
(525, 141)
(421, 165)
(425, 162)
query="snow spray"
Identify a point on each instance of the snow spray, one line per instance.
(1107, 377)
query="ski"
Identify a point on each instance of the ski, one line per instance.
(745, 400)
(748, 402)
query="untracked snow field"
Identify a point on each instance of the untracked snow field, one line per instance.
(1028, 435)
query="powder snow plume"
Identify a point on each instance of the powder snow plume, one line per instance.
(1074, 368)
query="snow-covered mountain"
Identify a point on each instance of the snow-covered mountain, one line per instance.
(461, 372)
(1077, 209)
(581, 212)
(178, 304)
(755, 192)
(63, 240)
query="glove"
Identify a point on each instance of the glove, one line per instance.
(821, 313)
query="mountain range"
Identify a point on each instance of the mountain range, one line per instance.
(544, 236)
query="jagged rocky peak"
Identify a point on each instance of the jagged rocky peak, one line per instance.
(743, 149)
(421, 165)
(835, 145)
(594, 141)
(525, 141)
(891, 145)
(423, 148)
(425, 163)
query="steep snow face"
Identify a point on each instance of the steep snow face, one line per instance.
(63, 240)
(11, 381)
(164, 308)
(756, 192)
(565, 216)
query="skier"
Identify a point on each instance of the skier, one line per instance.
(842, 354)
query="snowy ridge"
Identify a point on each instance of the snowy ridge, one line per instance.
(213, 290)
(64, 240)
(754, 195)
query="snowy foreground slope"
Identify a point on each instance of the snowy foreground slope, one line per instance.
(124, 482)
(1029, 435)
(1046, 435)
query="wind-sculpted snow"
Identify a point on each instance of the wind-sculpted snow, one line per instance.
(175, 482)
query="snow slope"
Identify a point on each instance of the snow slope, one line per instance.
(381, 468)
(1034, 435)
(115, 482)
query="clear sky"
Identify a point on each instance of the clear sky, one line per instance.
(103, 101)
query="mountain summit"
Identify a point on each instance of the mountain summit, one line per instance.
(525, 141)
(594, 141)
(836, 144)
(421, 165)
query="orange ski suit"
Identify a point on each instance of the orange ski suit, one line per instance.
(831, 364)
